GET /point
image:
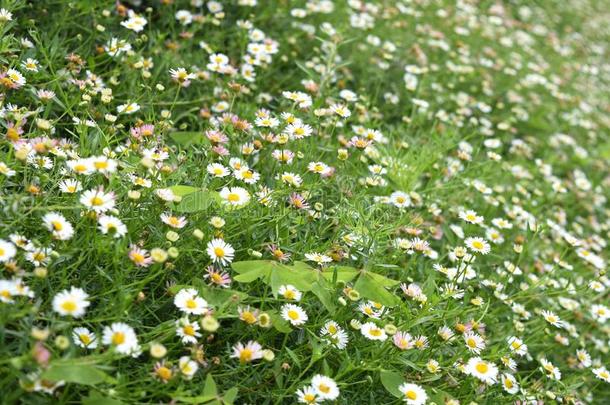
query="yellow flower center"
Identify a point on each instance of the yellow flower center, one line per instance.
(69, 306)
(292, 314)
(190, 303)
(97, 201)
(482, 367)
(137, 257)
(164, 373)
(118, 338)
(219, 252)
(233, 197)
(412, 395)
(101, 165)
(245, 355)
(248, 317)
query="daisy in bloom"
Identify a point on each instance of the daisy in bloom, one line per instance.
(583, 357)
(308, 395)
(187, 367)
(163, 372)
(247, 175)
(7, 251)
(421, 342)
(103, 164)
(298, 201)
(474, 342)
(97, 200)
(319, 168)
(110, 225)
(445, 333)
(294, 314)
(403, 340)
(517, 346)
(73, 302)
(509, 383)
(600, 313)
(39, 256)
(341, 110)
(70, 186)
(217, 170)
(413, 394)
(122, 337)
(219, 278)
(478, 245)
(84, 338)
(249, 316)
(602, 373)
(289, 292)
(371, 331)
(433, 366)
(181, 76)
(173, 221)
(550, 370)
(187, 331)
(325, 387)
(135, 22)
(501, 223)
(553, 319)
(188, 301)
(220, 251)
(250, 352)
(483, 370)
(81, 166)
(298, 130)
(400, 199)
(318, 258)
(235, 196)
(291, 179)
(471, 216)
(57, 223)
(139, 256)
(334, 334)
(128, 108)
(370, 309)
(278, 254)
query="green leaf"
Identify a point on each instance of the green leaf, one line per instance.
(382, 280)
(181, 190)
(209, 389)
(229, 397)
(276, 274)
(96, 398)
(201, 399)
(391, 381)
(293, 356)
(251, 270)
(369, 287)
(341, 273)
(186, 138)
(321, 291)
(279, 323)
(196, 201)
(76, 372)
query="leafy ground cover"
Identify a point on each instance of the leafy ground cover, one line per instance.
(269, 202)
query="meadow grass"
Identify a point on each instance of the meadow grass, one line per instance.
(275, 202)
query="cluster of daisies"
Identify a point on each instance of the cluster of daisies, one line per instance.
(319, 203)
